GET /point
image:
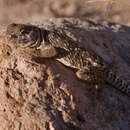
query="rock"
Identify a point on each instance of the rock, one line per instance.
(43, 94)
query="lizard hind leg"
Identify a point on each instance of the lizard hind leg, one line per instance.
(91, 77)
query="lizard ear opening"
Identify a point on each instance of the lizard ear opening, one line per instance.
(13, 36)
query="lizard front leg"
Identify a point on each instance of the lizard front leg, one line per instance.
(46, 51)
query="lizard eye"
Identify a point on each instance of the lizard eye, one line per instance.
(33, 34)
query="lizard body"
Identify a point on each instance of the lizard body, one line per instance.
(42, 43)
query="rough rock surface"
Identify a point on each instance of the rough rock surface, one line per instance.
(42, 94)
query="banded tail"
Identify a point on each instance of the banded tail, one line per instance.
(117, 82)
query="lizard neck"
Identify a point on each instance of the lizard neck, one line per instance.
(44, 36)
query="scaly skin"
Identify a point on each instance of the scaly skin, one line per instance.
(42, 43)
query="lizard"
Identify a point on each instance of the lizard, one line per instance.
(52, 44)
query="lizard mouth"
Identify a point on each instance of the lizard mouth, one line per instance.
(24, 35)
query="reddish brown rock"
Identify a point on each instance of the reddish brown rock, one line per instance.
(42, 94)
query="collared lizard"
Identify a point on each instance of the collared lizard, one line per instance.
(47, 44)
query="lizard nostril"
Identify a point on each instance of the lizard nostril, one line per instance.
(14, 24)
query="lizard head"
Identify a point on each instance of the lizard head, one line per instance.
(23, 35)
(32, 38)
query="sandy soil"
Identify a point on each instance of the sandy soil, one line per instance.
(27, 10)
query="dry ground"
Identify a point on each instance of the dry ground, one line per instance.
(26, 10)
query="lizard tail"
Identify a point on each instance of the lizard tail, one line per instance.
(118, 83)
